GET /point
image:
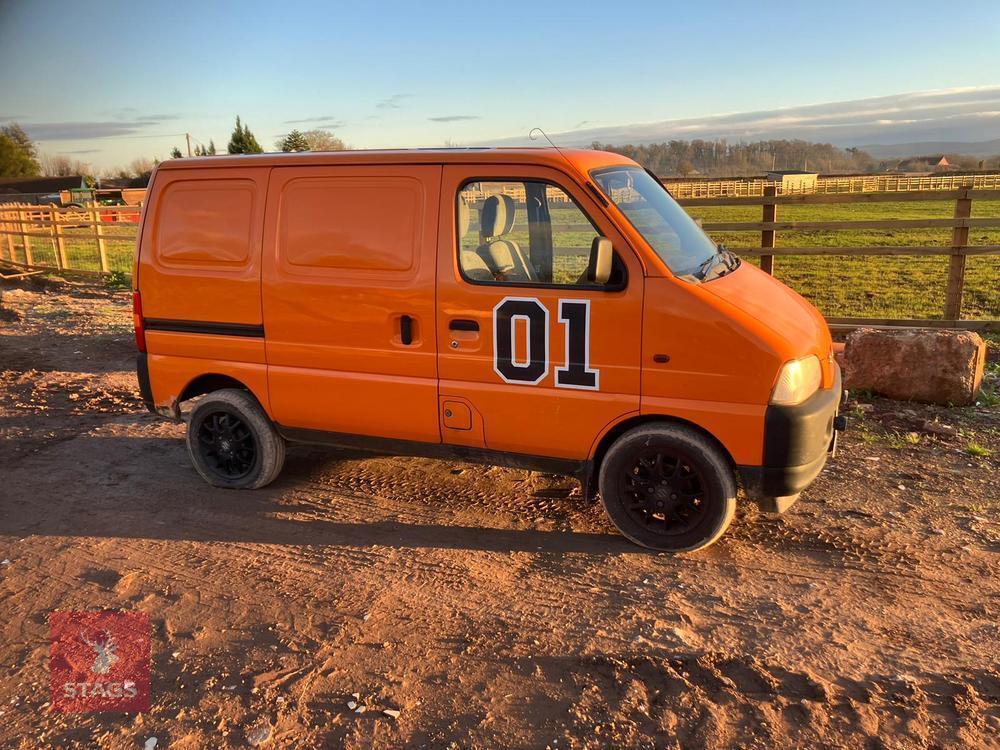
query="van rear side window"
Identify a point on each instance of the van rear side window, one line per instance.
(352, 223)
(205, 222)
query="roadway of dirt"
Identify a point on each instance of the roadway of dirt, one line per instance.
(489, 607)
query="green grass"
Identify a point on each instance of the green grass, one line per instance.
(977, 450)
(897, 286)
(81, 249)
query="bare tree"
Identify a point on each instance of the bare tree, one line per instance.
(60, 165)
(139, 167)
(321, 140)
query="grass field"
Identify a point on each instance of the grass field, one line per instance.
(879, 287)
(840, 286)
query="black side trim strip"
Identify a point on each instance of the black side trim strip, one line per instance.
(201, 326)
(396, 447)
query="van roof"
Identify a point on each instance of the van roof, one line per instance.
(582, 159)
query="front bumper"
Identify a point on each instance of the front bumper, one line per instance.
(797, 441)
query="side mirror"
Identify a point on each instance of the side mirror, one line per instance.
(601, 254)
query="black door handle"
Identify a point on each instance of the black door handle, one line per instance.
(463, 324)
(406, 329)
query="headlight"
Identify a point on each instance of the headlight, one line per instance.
(797, 381)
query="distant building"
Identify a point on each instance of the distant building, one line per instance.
(938, 162)
(40, 184)
(37, 189)
(794, 180)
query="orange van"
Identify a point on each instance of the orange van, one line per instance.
(538, 308)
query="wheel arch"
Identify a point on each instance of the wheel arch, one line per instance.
(209, 382)
(642, 420)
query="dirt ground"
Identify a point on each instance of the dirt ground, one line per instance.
(490, 607)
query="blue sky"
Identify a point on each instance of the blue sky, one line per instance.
(108, 81)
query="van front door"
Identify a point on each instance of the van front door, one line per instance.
(348, 298)
(534, 358)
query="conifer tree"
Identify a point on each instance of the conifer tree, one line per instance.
(242, 141)
(294, 141)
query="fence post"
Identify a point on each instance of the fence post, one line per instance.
(60, 239)
(53, 236)
(25, 227)
(19, 215)
(102, 249)
(956, 264)
(767, 235)
(13, 226)
(8, 227)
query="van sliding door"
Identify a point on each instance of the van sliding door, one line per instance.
(348, 299)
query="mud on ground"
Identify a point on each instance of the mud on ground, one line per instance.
(490, 607)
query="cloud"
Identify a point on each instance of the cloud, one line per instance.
(321, 118)
(154, 119)
(393, 102)
(81, 130)
(968, 113)
(86, 151)
(453, 118)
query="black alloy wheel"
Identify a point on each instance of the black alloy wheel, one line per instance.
(668, 487)
(228, 445)
(232, 442)
(663, 491)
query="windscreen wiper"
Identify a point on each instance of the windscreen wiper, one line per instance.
(724, 258)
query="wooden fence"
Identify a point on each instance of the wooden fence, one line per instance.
(874, 183)
(769, 227)
(68, 239)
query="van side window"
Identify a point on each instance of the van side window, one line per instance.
(523, 232)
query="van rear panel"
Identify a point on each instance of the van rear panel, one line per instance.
(199, 261)
(198, 269)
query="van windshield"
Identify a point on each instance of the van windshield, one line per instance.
(674, 235)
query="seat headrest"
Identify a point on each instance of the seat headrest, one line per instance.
(497, 216)
(463, 218)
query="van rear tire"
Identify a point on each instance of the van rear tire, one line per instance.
(232, 443)
(668, 488)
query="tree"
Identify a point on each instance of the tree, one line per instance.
(175, 153)
(321, 140)
(18, 155)
(210, 151)
(242, 141)
(294, 141)
(59, 165)
(730, 159)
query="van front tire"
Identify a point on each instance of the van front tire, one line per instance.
(232, 443)
(668, 488)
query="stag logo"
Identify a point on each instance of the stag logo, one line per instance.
(104, 649)
(99, 661)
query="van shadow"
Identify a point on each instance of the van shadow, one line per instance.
(159, 497)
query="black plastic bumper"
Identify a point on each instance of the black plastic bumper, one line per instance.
(145, 389)
(797, 441)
